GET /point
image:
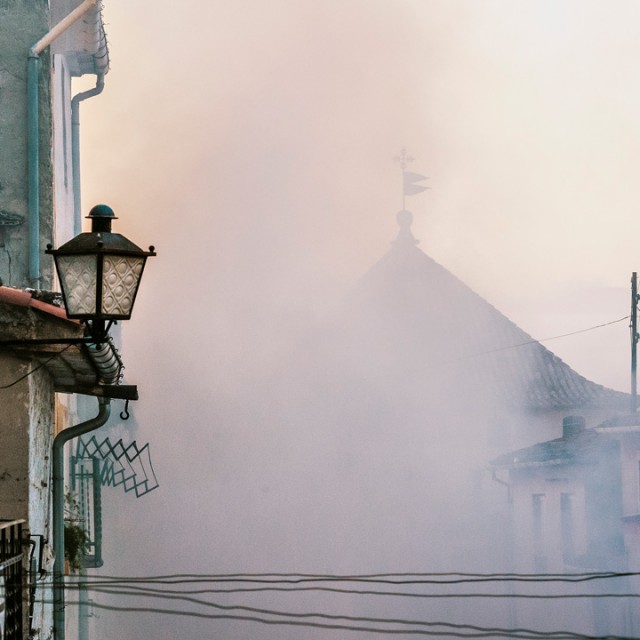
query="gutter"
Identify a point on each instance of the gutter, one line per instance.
(104, 410)
(33, 134)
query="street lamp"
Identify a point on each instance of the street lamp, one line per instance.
(99, 273)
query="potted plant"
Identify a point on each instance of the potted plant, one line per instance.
(75, 536)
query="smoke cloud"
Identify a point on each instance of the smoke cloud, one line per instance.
(253, 143)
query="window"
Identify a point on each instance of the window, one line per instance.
(539, 558)
(567, 516)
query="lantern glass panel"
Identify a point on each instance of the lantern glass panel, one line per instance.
(120, 278)
(78, 280)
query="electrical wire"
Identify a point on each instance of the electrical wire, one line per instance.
(293, 618)
(446, 630)
(382, 578)
(32, 371)
(114, 588)
(129, 587)
(564, 335)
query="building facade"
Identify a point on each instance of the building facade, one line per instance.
(407, 391)
(573, 503)
(41, 51)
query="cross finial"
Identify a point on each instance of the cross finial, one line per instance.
(404, 159)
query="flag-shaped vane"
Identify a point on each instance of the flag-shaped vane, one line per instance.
(410, 179)
(410, 183)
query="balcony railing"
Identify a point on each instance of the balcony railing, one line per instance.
(12, 577)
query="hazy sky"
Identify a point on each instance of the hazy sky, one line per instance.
(258, 139)
(253, 144)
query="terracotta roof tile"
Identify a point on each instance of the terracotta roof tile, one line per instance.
(22, 298)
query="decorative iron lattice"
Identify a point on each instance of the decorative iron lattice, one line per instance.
(129, 467)
(97, 464)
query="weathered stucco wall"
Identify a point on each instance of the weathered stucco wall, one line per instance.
(22, 24)
(26, 427)
(41, 434)
(41, 410)
(14, 427)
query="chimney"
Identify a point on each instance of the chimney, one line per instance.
(572, 426)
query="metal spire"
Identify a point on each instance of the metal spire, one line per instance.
(404, 159)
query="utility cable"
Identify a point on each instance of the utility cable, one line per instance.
(564, 335)
(32, 371)
(451, 630)
(117, 590)
(391, 578)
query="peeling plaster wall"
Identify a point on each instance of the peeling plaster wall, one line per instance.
(15, 429)
(26, 424)
(41, 412)
(41, 420)
(22, 24)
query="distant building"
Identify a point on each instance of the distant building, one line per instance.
(406, 393)
(445, 350)
(567, 502)
(573, 504)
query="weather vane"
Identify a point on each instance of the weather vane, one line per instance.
(409, 178)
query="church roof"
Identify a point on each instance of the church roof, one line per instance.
(440, 324)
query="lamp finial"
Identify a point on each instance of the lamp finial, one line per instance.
(101, 216)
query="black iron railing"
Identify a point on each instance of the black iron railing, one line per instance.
(12, 577)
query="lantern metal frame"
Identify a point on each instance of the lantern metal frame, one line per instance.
(97, 269)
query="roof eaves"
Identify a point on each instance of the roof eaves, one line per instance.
(23, 317)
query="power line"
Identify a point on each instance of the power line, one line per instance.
(564, 335)
(136, 587)
(446, 629)
(32, 371)
(382, 578)
(115, 588)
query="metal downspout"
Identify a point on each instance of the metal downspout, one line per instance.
(33, 134)
(58, 508)
(33, 160)
(75, 149)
